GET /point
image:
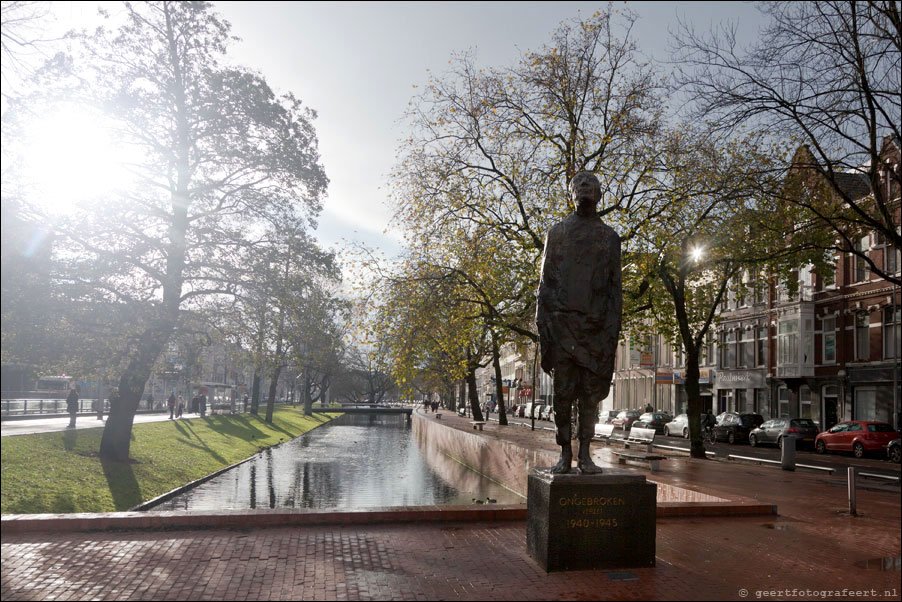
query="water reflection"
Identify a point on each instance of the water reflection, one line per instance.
(357, 461)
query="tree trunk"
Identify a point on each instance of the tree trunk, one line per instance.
(115, 444)
(694, 410)
(255, 392)
(308, 400)
(474, 394)
(499, 385)
(273, 384)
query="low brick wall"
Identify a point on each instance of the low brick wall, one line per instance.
(510, 464)
(503, 462)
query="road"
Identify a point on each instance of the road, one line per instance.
(48, 425)
(873, 463)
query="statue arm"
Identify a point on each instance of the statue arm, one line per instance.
(543, 305)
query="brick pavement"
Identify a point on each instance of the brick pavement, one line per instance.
(813, 544)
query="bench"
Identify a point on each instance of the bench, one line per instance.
(654, 460)
(640, 436)
(477, 425)
(605, 432)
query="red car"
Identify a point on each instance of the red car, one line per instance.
(856, 436)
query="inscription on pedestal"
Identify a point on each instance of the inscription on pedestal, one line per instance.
(591, 521)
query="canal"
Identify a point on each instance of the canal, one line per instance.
(355, 461)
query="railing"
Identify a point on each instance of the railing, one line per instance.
(22, 407)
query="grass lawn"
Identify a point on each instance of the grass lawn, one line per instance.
(61, 472)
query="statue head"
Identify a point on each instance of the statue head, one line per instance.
(585, 192)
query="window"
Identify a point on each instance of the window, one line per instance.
(783, 400)
(741, 401)
(828, 325)
(760, 402)
(890, 253)
(805, 402)
(709, 349)
(761, 349)
(729, 349)
(892, 316)
(747, 348)
(788, 342)
(862, 269)
(862, 337)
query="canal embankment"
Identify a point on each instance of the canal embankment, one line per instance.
(61, 472)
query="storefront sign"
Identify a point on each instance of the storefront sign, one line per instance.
(704, 377)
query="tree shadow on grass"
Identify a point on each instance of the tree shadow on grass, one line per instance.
(124, 488)
(201, 444)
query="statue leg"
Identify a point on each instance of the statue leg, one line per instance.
(564, 393)
(588, 417)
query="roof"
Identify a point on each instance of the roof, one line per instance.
(853, 184)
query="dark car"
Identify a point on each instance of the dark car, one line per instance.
(734, 427)
(772, 432)
(894, 451)
(652, 420)
(626, 418)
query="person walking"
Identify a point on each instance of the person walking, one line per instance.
(72, 406)
(202, 405)
(171, 403)
(180, 408)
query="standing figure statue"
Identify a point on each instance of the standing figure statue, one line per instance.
(578, 317)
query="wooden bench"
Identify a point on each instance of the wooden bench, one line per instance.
(477, 425)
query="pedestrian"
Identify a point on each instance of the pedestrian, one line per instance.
(114, 401)
(171, 403)
(72, 406)
(648, 408)
(202, 405)
(150, 401)
(180, 408)
(245, 402)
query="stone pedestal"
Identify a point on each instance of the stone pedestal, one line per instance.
(600, 521)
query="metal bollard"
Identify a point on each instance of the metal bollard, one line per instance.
(852, 504)
(788, 453)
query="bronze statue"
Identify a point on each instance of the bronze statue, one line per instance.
(578, 317)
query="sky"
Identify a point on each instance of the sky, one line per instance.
(357, 64)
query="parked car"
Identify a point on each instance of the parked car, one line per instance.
(856, 436)
(733, 427)
(626, 418)
(607, 416)
(894, 451)
(678, 427)
(803, 430)
(652, 420)
(533, 410)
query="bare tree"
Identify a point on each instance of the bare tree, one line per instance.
(824, 74)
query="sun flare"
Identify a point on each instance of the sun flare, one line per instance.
(71, 157)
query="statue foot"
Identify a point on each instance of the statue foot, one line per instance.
(563, 465)
(587, 467)
(584, 462)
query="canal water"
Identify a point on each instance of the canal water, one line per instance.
(355, 461)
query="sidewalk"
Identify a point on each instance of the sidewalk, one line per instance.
(812, 545)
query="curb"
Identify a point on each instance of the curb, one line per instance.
(115, 521)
